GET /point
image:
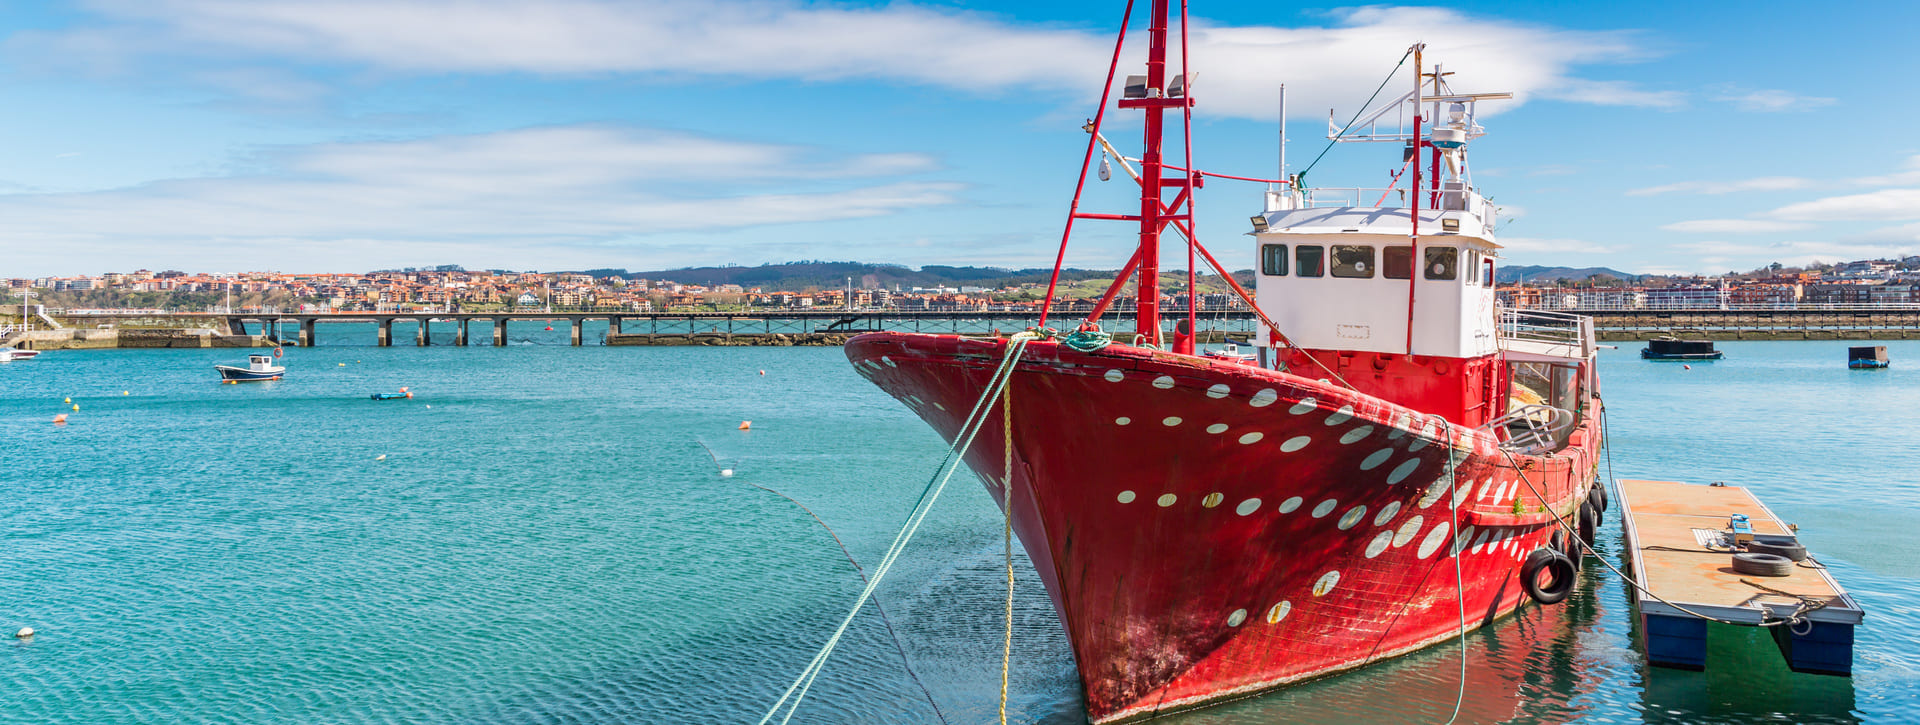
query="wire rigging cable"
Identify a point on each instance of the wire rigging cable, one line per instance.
(1356, 116)
(956, 451)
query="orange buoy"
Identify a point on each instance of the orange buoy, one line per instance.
(409, 396)
(549, 328)
(746, 425)
(60, 419)
(1686, 367)
(403, 388)
(763, 372)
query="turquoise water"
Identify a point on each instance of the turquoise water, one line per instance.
(546, 540)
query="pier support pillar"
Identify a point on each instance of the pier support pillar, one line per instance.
(386, 332)
(420, 333)
(460, 332)
(577, 324)
(499, 332)
(306, 332)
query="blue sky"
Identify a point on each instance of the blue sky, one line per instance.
(346, 135)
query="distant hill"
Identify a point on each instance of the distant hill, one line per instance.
(1530, 273)
(796, 276)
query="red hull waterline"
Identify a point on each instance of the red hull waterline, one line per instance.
(1209, 529)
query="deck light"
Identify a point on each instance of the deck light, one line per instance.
(1259, 223)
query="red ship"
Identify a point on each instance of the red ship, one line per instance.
(1401, 462)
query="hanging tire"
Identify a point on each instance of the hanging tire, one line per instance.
(1762, 564)
(1598, 496)
(1555, 564)
(1778, 546)
(1563, 543)
(1589, 520)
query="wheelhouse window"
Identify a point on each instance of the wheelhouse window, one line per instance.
(1273, 260)
(1352, 260)
(1308, 260)
(1473, 263)
(1442, 263)
(1396, 262)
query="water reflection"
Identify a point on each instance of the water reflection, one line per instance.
(1746, 680)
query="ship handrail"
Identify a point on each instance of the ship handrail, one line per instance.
(1547, 326)
(1539, 427)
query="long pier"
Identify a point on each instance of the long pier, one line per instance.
(633, 324)
(649, 327)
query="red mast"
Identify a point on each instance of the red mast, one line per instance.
(1154, 213)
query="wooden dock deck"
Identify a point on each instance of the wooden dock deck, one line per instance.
(1675, 533)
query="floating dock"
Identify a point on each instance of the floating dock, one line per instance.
(1683, 537)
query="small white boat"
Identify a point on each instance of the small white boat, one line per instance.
(259, 367)
(9, 354)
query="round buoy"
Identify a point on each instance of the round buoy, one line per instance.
(24, 633)
(1686, 367)
(726, 472)
(403, 388)
(549, 328)
(68, 400)
(60, 419)
(76, 407)
(277, 352)
(343, 365)
(746, 425)
(763, 372)
(409, 396)
(126, 392)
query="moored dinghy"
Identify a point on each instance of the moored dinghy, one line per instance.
(1867, 358)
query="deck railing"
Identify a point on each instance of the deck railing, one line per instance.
(1554, 328)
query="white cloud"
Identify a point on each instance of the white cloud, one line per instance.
(1774, 101)
(1749, 256)
(784, 39)
(525, 198)
(1615, 93)
(1764, 183)
(1908, 177)
(1734, 226)
(1883, 205)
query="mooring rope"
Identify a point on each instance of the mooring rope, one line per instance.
(1006, 483)
(1791, 620)
(1459, 579)
(956, 452)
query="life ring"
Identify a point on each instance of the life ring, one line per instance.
(277, 352)
(1559, 565)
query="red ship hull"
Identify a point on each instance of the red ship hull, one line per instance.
(1209, 529)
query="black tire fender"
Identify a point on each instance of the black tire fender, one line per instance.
(1793, 552)
(1589, 520)
(1762, 564)
(1555, 563)
(1598, 496)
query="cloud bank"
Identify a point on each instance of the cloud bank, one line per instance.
(1323, 66)
(528, 197)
